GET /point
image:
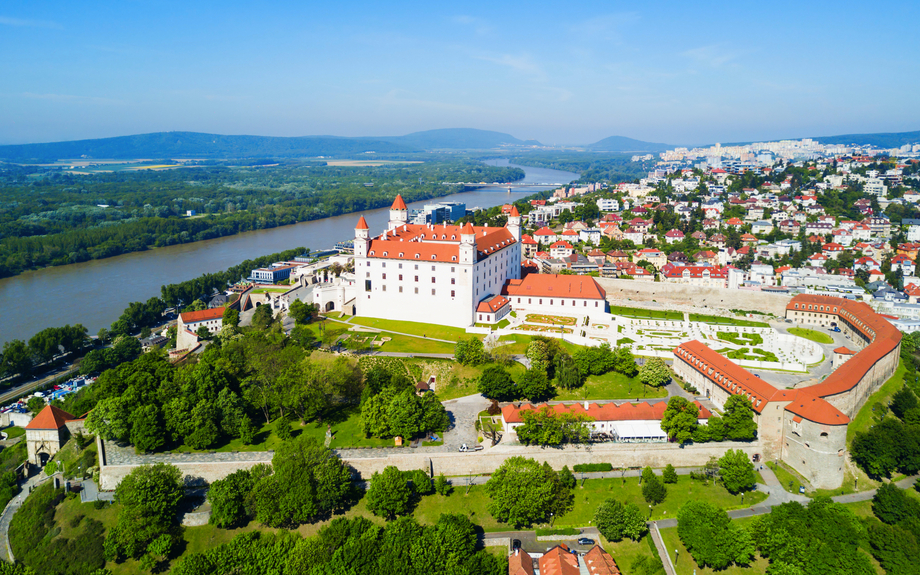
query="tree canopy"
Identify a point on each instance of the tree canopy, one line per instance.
(523, 492)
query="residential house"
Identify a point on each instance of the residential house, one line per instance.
(903, 263)
(635, 236)
(674, 236)
(592, 235)
(614, 256)
(652, 256)
(545, 236)
(561, 249)
(762, 227)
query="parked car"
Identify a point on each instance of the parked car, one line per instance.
(465, 447)
(585, 541)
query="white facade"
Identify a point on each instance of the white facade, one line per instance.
(433, 274)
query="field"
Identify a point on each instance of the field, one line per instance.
(642, 313)
(406, 344)
(812, 335)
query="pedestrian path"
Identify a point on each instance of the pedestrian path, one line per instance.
(6, 552)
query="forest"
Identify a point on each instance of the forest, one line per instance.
(49, 217)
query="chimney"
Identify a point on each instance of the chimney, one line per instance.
(586, 406)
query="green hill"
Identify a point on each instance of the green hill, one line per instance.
(458, 139)
(624, 144)
(215, 146)
(880, 140)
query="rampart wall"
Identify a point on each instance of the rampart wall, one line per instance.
(674, 295)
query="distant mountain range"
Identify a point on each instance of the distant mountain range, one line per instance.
(624, 144)
(881, 140)
(213, 146)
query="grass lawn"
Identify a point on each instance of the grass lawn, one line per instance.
(270, 290)
(625, 552)
(641, 313)
(785, 475)
(864, 419)
(14, 431)
(347, 431)
(686, 564)
(406, 344)
(703, 318)
(812, 335)
(519, 347)
(610, 385)
(413, 328)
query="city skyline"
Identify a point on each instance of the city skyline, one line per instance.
(662, 72)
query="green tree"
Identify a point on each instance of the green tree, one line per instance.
(231, 318)
(16, 359)
(653, 490)
(282, 428)
(389, 494)
(654, 372)
(301, 312)
(680, 419)
(149, 498)
(263, 318)
(228, 496)
(566, 477)
(442, 486)
(893, 505)
(470, 351)
(35, 404)
(535, 385)
(568, 375)
(738, 421)
(523, 492)
(147, 430)
(624, 362)
(547, 427)
(737, 471)
(496, 383)
(670, 474)
(711, 537)
(902, 401)
(616, 520)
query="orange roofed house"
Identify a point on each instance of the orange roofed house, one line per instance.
(807, 426)
(561, 561)
(48, 431)
(191, 321)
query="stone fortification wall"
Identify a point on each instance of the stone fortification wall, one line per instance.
(816, 451)
(690, 298)
(453, 464)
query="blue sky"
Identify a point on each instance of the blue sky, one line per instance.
(561, 72)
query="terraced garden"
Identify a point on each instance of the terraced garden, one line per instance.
(550, 319)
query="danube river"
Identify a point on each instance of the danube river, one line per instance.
(95, 293)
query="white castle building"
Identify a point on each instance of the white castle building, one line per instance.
(433, 273)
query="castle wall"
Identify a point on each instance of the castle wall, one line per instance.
(816, 451)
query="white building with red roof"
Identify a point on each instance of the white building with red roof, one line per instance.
(674, 236)
(433, 273)
(191, 321)
(557, 294)
(48, 432)
(561, 249)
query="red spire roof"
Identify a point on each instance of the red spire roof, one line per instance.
(467, 229)
(362, 224)
(398, 203)
(514, 213)
(50, 418)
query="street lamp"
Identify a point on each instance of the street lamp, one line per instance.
(649, 512)
(551, 519)
(676, 555)
(469, 482)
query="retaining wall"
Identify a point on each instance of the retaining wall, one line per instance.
(618, 291)
(655, 455)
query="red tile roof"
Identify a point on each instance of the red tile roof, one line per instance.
(549, 285)
(50, 418)
(202, 315)
(642, 411)
(514, 212)
(417, 242)
(559, 561)
(736, 380)
(520, 563)
(599, 562)
(398, 203)
(362, 224)
(493, 304)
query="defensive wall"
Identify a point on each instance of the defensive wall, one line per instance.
(807, 426)
(207, 467)
(677, 295)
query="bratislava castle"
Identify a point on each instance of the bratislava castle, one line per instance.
(433, 273)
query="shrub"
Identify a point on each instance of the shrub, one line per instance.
(592, 467)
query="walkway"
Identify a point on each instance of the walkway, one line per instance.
(6, 552)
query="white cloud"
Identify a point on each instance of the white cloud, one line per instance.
(23, 23)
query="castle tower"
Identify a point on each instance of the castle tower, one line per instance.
(399, 213)
(467, 244)
(362, 238)
(514, 223)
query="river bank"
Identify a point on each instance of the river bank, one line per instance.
(95, 293)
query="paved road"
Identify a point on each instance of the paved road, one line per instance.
(27, 387)
(530, 544)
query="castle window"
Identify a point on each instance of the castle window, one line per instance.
(824, 435)
(400, 277)
(432, 280)
(453, 259)
(432, 292)
(401, 254)
(432, 268)
(453, 293)
(416, 256)
(453, 281)
(416, 278)
(384, 276)
(400, 289)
